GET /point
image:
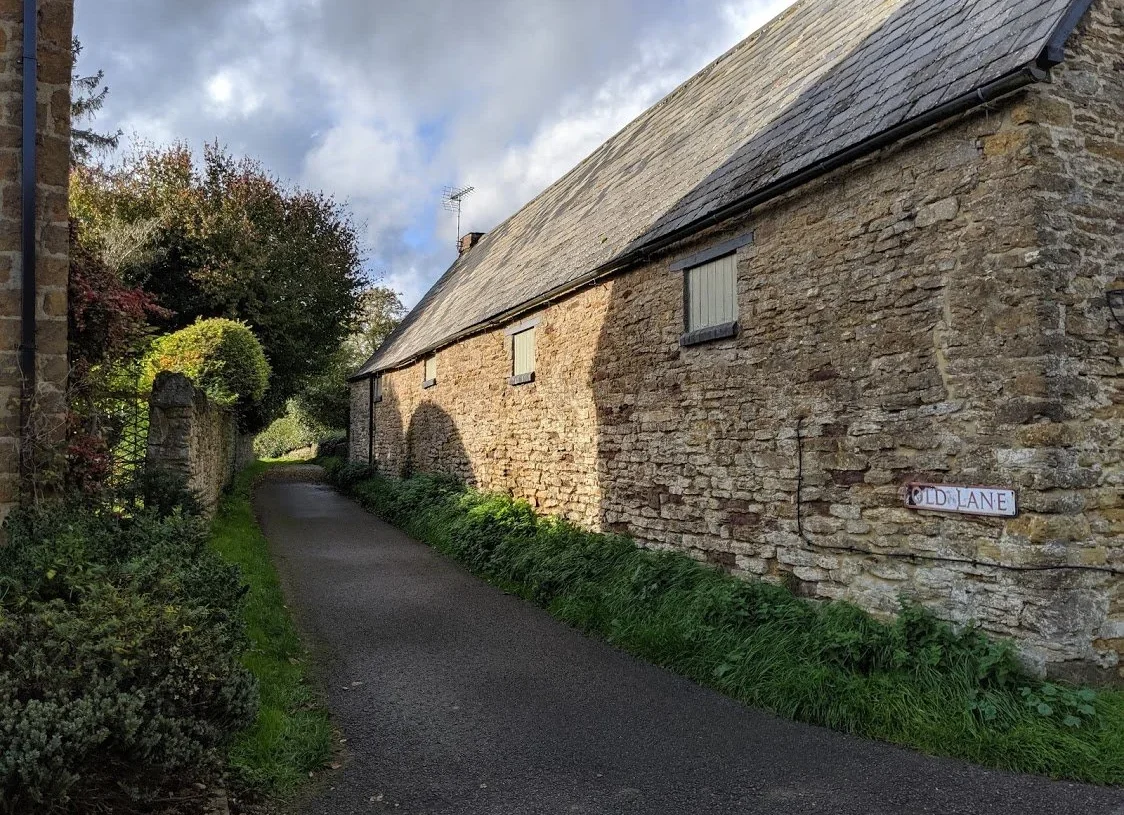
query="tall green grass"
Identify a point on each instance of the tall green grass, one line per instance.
(914, 682)
(292, 736)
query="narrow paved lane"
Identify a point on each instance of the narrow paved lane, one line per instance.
(458, 699)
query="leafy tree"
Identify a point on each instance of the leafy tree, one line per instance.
(107, 319)
(224, 238)
(87, 96)
(381, 311)
(325, 399)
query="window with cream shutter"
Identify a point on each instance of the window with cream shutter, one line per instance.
(430, 372)
(712, 294)
(524, 343)
(522, 338)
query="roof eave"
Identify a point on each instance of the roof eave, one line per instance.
(1028, 74)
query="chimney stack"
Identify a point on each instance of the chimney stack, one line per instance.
(470, 240)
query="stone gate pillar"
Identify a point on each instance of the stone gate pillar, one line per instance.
(32, 408)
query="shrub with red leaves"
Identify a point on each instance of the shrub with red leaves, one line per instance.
(107, 317)
(108, 323)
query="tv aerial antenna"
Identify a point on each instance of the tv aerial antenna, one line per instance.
(452, 200)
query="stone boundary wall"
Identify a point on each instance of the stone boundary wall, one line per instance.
(47, 424)
(190, 435)
(936, 313)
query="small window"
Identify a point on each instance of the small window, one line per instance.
(523, 357)
(430, 374)
(376, 388)
(711, 300)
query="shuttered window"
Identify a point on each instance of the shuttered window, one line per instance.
(376, 388)
(524, 352)
(712, 294)
(430, 375)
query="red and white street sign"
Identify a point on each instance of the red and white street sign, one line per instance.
(993, 501)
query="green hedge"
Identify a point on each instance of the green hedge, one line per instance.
(283, 436)
(222, 357)
(914, 681)
(293, 431)
(121, 679)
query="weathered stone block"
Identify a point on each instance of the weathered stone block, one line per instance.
(943, 210)
(190, 435)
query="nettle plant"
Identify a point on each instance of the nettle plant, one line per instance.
(1073, 706)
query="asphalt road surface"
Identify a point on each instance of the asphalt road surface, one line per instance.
(456, 698)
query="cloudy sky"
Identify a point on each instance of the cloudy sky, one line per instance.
(384, 103)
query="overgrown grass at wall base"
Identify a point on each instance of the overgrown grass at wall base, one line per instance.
(913, 682)
(292, 736)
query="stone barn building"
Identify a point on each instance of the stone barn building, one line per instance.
(876, 245)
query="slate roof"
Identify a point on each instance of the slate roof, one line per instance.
(823, 76)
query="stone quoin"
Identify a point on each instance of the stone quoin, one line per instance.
(868, 247)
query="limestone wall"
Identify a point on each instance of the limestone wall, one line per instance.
(46, 426)
(1081, 231)
(357, 437)
(190, 435)
(936, 313)
(539, 440)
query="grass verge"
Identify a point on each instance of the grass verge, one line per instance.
(292, 736)
(914, 682)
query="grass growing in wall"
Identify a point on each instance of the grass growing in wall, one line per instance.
(913, 682)
(292, 736)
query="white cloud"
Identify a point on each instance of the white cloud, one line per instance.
(376, 169)
(360, 158)
(743, 18)
(382, 104)
(234, 92)
(410, 282)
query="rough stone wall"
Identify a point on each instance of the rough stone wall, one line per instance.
(898, 325)
(244, 454)
(537, 441)
(357, 438)
(47, 425)
(190, 435)
(1079, 453)
(936, 313)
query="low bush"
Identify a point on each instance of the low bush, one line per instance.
(222, 357)
(283, 436)
(121, 679)
(914, 681)
(293, 431)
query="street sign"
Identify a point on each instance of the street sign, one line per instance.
(992, 501)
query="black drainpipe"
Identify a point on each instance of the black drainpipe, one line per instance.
(371, 421)
(28, 171)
